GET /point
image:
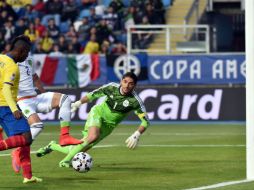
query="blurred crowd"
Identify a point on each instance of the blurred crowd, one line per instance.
(78, 26)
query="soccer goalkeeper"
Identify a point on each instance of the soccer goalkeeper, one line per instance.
(103, 118)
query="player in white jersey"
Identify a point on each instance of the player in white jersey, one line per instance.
(30, 104)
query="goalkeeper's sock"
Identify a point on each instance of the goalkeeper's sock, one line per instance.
(25, 161)
(62, 149)
(13, 142)
(75, 150)
(1, 134)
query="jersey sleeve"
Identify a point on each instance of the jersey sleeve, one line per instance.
(97, 93)
(31, 63)
(10, 73)
(140, 111)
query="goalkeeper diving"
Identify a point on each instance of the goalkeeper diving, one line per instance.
(104, 118)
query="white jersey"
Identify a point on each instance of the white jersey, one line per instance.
(26, 85)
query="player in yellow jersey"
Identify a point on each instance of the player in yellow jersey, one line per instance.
(14, 124)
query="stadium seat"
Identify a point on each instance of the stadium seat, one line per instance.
(64, 27)
(106, 2)
(126, 3)
(84, 13)
(166, 3)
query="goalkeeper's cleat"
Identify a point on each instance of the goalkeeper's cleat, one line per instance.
(45, 150)
(66, 139)
(15, 161)
(33, 179)
(65, 164)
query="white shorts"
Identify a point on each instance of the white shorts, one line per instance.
(37, 104)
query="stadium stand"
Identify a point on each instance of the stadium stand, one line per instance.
(56, 17)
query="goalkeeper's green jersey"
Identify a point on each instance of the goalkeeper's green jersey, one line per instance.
(116, 106)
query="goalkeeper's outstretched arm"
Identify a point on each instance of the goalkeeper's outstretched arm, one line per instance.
(132, 141)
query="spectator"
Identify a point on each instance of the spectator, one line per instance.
(117, 6)
(70, 11)
(144, 38)
(83, 30)
(62, 44)
(2, 42)
(111, 18)
(71, 33)
(92, 47)
(38, 48)
(54, 10)
(53, 29)
(149, 12)
(46, 42)
(3, 18)
(21, 27)
(75, 45)
(8, 8)
(29, 13)
(7, 47)
(104, 33)
(119, 49)
(139, 4)
(9, 30)
(40, 7)
(39, 27)
(32, 33)
(88, 3)
(56, 51)
(159, 11)
(93, 18)
(105, 48)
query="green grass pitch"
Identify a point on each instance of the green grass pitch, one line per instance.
(171, 157)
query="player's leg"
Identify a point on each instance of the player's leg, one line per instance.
(1, 133)
(19, 135)
(93, 135)
(36, 126)
(28, 107)
(92, 127)
(63, 102)
(26, 166)
(17, 131)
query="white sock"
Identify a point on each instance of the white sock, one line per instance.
(36, 128)
(65, 109)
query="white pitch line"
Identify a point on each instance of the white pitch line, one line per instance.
(164, 134)
(223, 184)
(164, 145)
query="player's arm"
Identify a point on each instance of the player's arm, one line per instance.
(132, 141)
(89, 97)
(9, 78)
(38, 83)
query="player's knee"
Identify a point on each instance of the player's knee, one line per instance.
(65, 101)
(92, 138)
(65, 108)
(36, 129)
(28, 138)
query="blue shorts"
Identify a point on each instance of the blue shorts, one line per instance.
(10, 124)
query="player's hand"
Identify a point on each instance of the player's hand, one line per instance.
(132, 141)
(75, 105)
(17, 114)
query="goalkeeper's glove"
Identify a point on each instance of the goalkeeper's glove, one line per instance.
(75, 105)
(132, 141)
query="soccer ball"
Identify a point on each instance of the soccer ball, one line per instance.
(82, 162)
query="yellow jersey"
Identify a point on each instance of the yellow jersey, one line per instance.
(9, 73)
